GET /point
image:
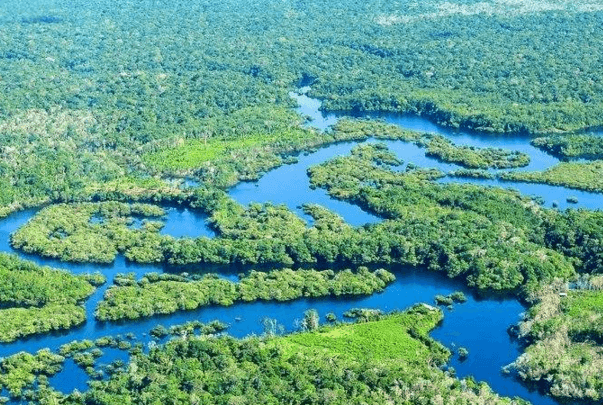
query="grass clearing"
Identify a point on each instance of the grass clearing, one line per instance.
(192, 153)
(389, 339)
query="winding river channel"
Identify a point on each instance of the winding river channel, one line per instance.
(480, 325)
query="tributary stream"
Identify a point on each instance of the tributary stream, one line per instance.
(480, 325)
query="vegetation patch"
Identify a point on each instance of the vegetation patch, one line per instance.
(389, 360)
(491, 237)
(36, 299)
(99, 115)
(158, 294)
(472, 157)
(359, 129)
(457, 223)
(572, 146)
(436, 146)
(472, 174)
(384, 340)
(563, 331)
(90, 232)
(28, 371)
(579, 176)
(207, 96)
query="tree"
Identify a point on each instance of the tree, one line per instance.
(311, 320)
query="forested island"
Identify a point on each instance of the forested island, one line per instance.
(229, 203)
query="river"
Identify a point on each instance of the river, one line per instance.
(480, 325)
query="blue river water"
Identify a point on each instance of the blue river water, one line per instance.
(480, 325)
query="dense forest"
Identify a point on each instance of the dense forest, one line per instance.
(521, 243)
(36, 299)
(165, 294)
(577, 175)
(215, 76)
(112, 112)
(572, 146)
(323, 365)
(564, 336)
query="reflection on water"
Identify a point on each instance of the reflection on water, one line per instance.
(185, 223)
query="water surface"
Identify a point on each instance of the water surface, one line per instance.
(479, 325)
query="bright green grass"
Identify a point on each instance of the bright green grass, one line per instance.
(581, 303)
(385, 339)
(192, 153)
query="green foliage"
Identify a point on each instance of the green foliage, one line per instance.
(474, 158)
(263, 137)
(578, 234)
(458, 296)
(364, 314)
(22, 370)
(284, 285)
(391, 360)
(68, 349)
(207, 95)
(387, 338)
(436, 146)
(20, 322)
(580, 176)
(36, 299)
(311, 320)
(472, 174)
(87, 113)
(25, 284)
(153, 295)
(563, 332)
(492, 237)
(358, 129)
(159, 331)
(192, 327)
(164, 297)
(571, 146)
(86, 359)
(443, 300)
(90, 232)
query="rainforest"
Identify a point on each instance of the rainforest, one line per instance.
(301, 202)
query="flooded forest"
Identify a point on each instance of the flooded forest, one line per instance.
(301, 202)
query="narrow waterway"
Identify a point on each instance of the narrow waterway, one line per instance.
(480, 325)
(552, 196)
